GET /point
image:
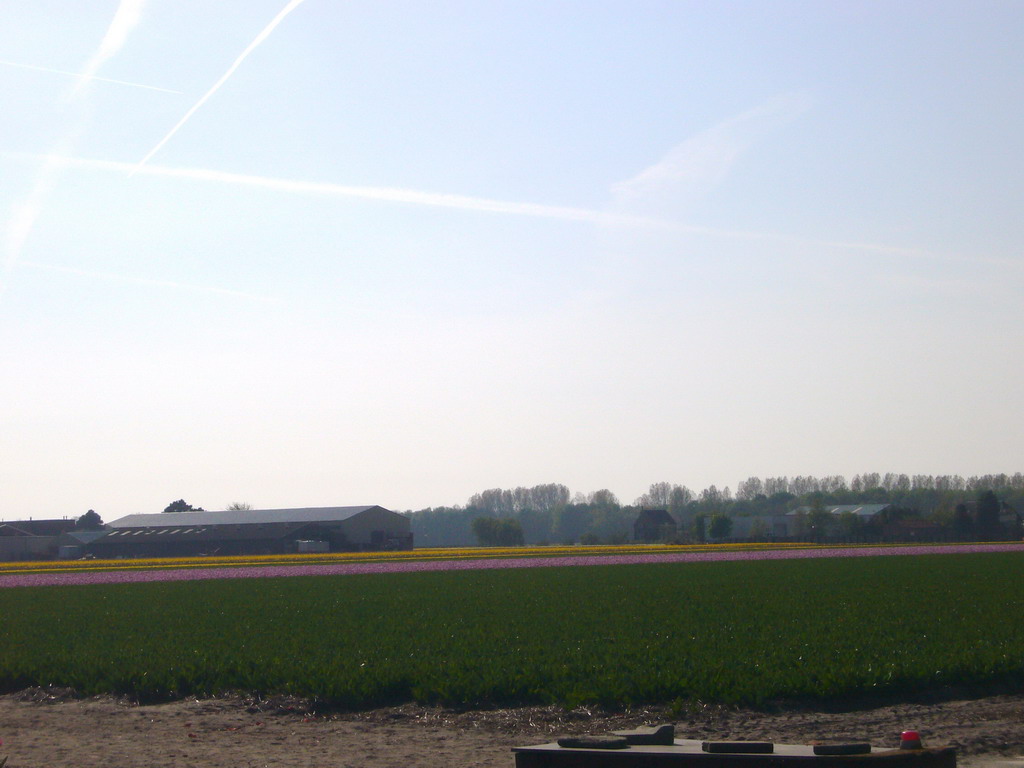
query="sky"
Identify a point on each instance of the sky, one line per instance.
(333, 252)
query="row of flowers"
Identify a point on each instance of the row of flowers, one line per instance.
(451, 564)
(448, 553)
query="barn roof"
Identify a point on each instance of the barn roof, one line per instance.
(6, 529)
(187, 532)
(36, 527)
(860, 510)
(240, 517)
(655, 517)
(83, 537)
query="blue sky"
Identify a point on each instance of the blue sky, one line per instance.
(333, 252)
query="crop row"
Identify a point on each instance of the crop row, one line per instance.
(416, 555)
(742, 631)
(191, 569)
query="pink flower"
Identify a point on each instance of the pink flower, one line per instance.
(471, 564)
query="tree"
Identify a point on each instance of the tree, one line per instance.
(779, 501)
(963, 524)
(549, 496)
(484, 530)
(678, 500)
(800, 522)
(494, 500)
(90, 521)
(721, 527)
(608, 523)
(712, 499)
(758, 530)
(850, 525)
(987, 516)
(536, 525)
(698, 528)
(749, 488)
(657, 496)
(491, 532)
(182, 506)
(819, 520)
(570, 522)
(504, 503)
(237, 506)
(603, 498)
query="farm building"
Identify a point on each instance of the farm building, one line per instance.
(793, 524)
(255, 531)
(654, 525)
(31, 539)
(74, 544)
(863, 511)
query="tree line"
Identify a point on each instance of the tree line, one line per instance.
(954, 506)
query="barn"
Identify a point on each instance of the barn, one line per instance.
(654, 525)
(254, 532)
(31, 539)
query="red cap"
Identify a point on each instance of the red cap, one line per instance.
(910, 740)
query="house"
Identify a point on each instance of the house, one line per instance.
(256, 531)
(654, 525)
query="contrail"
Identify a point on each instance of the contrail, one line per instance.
(292, 5)
(383, 194)
(125, 19)
(25, 215)
(506, 207)
(82, 76)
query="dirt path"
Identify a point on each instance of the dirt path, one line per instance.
(40, 730)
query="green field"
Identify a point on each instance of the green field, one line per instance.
(727, 632)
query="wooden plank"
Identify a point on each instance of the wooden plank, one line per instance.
(688, 753)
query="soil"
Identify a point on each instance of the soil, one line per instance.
(48, 728)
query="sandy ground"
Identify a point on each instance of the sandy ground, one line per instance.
(49, 729)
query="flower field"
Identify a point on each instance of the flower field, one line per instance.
(336, 558)
(78, 572)
(743, 629)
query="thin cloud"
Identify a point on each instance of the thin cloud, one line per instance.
(125, 19)
(491, 205)
(291, 6)
(82, 76)
(192, 287)
(696, 165)
(24, 216)
(383, 194)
